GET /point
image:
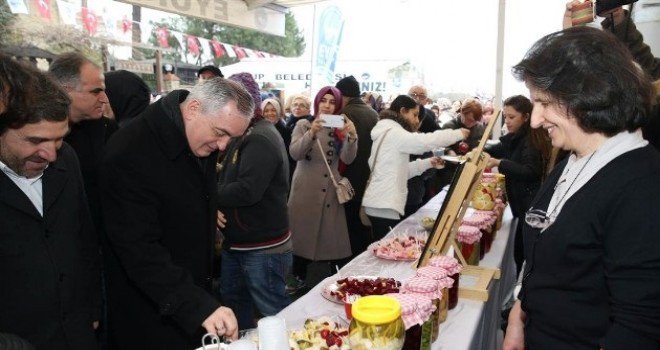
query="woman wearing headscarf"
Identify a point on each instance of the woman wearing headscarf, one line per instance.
(592, 276)
(318, 222)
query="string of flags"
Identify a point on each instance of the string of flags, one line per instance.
(120, 28)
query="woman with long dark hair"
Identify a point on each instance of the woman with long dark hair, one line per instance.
(520, 161)
(394, 140)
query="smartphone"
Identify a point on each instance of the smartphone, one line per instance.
(333, 121)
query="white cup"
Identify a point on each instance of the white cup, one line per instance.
(272, 333)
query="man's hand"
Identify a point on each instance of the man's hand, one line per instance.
(223, 323)
(221, 221)
(493, 162)
(465, 132)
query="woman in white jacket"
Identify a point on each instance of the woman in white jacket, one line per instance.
(385, 197)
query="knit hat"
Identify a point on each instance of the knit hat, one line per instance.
(252, 87)
(349, 86)
(212, 69)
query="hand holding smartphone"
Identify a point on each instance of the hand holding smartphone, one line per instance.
(333, 121)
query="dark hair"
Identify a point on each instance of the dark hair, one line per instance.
(16, 80)
(403, 101)
(523, 106)
(65, 69)
(213, 69)
(49, 102)
(592, 74)
(328, 90)
(394, 112)
(473, 106)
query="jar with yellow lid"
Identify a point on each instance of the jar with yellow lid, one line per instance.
(376, 324)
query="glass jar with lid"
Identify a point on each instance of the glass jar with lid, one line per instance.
(429, 288)
(453, 268)
(376, 324)
(469, 238)
(416, 311)
(441, 276)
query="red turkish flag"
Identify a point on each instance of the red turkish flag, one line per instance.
(163, 36)
(44, 8)
(126, 25)
(218, 50)
(240, 53)
(193, 45)
(89, 21)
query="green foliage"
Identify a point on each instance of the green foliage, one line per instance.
(6, 18)
(291, 45)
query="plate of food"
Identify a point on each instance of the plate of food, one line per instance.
(454, 159)
(359, 285)
(321, 333)
(403, 248)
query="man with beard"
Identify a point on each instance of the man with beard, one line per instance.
(49, 270)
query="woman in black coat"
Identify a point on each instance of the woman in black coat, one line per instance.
(520, 161)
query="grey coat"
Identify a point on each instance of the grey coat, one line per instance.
(317, 220)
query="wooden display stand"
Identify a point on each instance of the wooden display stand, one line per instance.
(451, 215)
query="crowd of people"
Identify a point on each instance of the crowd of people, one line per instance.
(119, 213)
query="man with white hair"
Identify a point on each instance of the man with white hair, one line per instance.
(159, 210)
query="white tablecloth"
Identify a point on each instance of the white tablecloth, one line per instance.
(471, 325)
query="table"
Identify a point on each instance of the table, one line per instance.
(471, 325)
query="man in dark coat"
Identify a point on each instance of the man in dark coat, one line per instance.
(49, 263)
(159, 209)
(364, 118)
(83, 80)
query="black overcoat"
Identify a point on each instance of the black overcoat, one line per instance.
(49, 266)
(159, 214)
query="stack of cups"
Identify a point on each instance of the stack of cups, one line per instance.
(272, 333)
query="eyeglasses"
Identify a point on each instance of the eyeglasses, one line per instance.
(418, 95)
(538, 219)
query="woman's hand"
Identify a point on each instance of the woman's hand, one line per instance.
(317, 124)
(349, 129)
(493, 162)
(515, 329)
(437, 162)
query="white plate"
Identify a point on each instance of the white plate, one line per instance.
(332, 287)
(452, 159)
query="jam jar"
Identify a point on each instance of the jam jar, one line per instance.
(376, 324)
(453, 268)
(440, 275)
(416, 311)
(426, 287)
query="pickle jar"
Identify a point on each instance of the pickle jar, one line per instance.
(376, 324)
(426, 287)
(416, 313)
(445, 282)
(453, 268)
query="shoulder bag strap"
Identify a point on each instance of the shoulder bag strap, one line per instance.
(376, 155)
(325, 161)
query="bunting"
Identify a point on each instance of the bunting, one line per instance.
(119, 26)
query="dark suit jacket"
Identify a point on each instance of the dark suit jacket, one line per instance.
(159, 210)
(49, 266)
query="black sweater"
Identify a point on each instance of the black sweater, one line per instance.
(592, 278)
(252, 190)
(522, 165)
